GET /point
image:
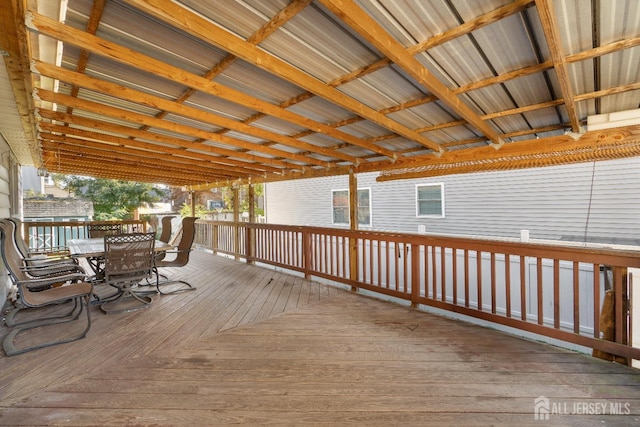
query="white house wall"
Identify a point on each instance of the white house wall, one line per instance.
(552, 202)
(5, 192)
(10, 201)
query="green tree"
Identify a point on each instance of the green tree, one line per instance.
(185, 210)
(111, 199)
(243, 194)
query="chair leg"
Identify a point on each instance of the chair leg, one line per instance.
(11, 321)
(188, 287)
(167, 281)
(10, 348)
(119, 305)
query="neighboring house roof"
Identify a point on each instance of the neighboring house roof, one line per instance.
(51, 207)
(204, 94)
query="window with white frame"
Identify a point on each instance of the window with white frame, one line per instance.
(340, 205)
(430, 200)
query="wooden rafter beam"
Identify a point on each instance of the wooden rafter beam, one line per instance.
(375, 34)
(180, 109)
(66, 34)
(80, 144)
(441, 38)
(116, 144)
(170, 145)
(173, 127)
(96, 157)
(552, 34)
(194, 24)
(80, 165)
(593, 145)
(14, 44)
(97, 9)
(267, 29)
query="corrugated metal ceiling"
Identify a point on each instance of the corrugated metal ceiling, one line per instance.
(260, 90)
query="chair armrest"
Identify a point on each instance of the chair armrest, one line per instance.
(174, 251)
(51, 264)
(47, 258)
(39, 283)
(39, 270)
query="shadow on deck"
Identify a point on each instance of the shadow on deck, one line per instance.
(256, 346)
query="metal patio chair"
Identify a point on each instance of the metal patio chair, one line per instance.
(35, 268)
(95, 231)
(53, 292)
(165, 235)
(128, 260)
(36, 263)
(186, 237)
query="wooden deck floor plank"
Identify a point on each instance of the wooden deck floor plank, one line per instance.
(405, 402)
(278, 292)
(306, 388)
(193, 320)
(264, 300)
(294, 295)
(210, 311)
(238, 309)
(179, 417)
(283, 378)
(241, 349)
(285, 293)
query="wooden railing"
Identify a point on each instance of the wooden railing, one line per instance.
(550, 290)
(51, 237)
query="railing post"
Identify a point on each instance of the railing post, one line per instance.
(214, 239)
(250, 243)
(415, 274)
(353, 260)
(306, 253)
(620, 305)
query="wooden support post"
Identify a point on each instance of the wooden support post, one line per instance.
(252, 203)
(250, 238)
(353, 223)
(236, 220)
(192, 194)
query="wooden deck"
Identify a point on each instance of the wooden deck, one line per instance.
(256, 346)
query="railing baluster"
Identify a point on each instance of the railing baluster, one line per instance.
(540, 294)
(576, 297)
(434, 273)
(454, 278)
(466, 278)
(507, 283)
(479, 278)
(493, 282)
(443, 272)
(596, 300)
(523, 288)
(556, 293)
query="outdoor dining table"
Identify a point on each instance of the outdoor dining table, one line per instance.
(93, 251)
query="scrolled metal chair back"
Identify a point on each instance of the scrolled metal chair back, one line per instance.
(101, 230)
(128, 257)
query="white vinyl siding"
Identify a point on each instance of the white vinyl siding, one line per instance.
(551, 202)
